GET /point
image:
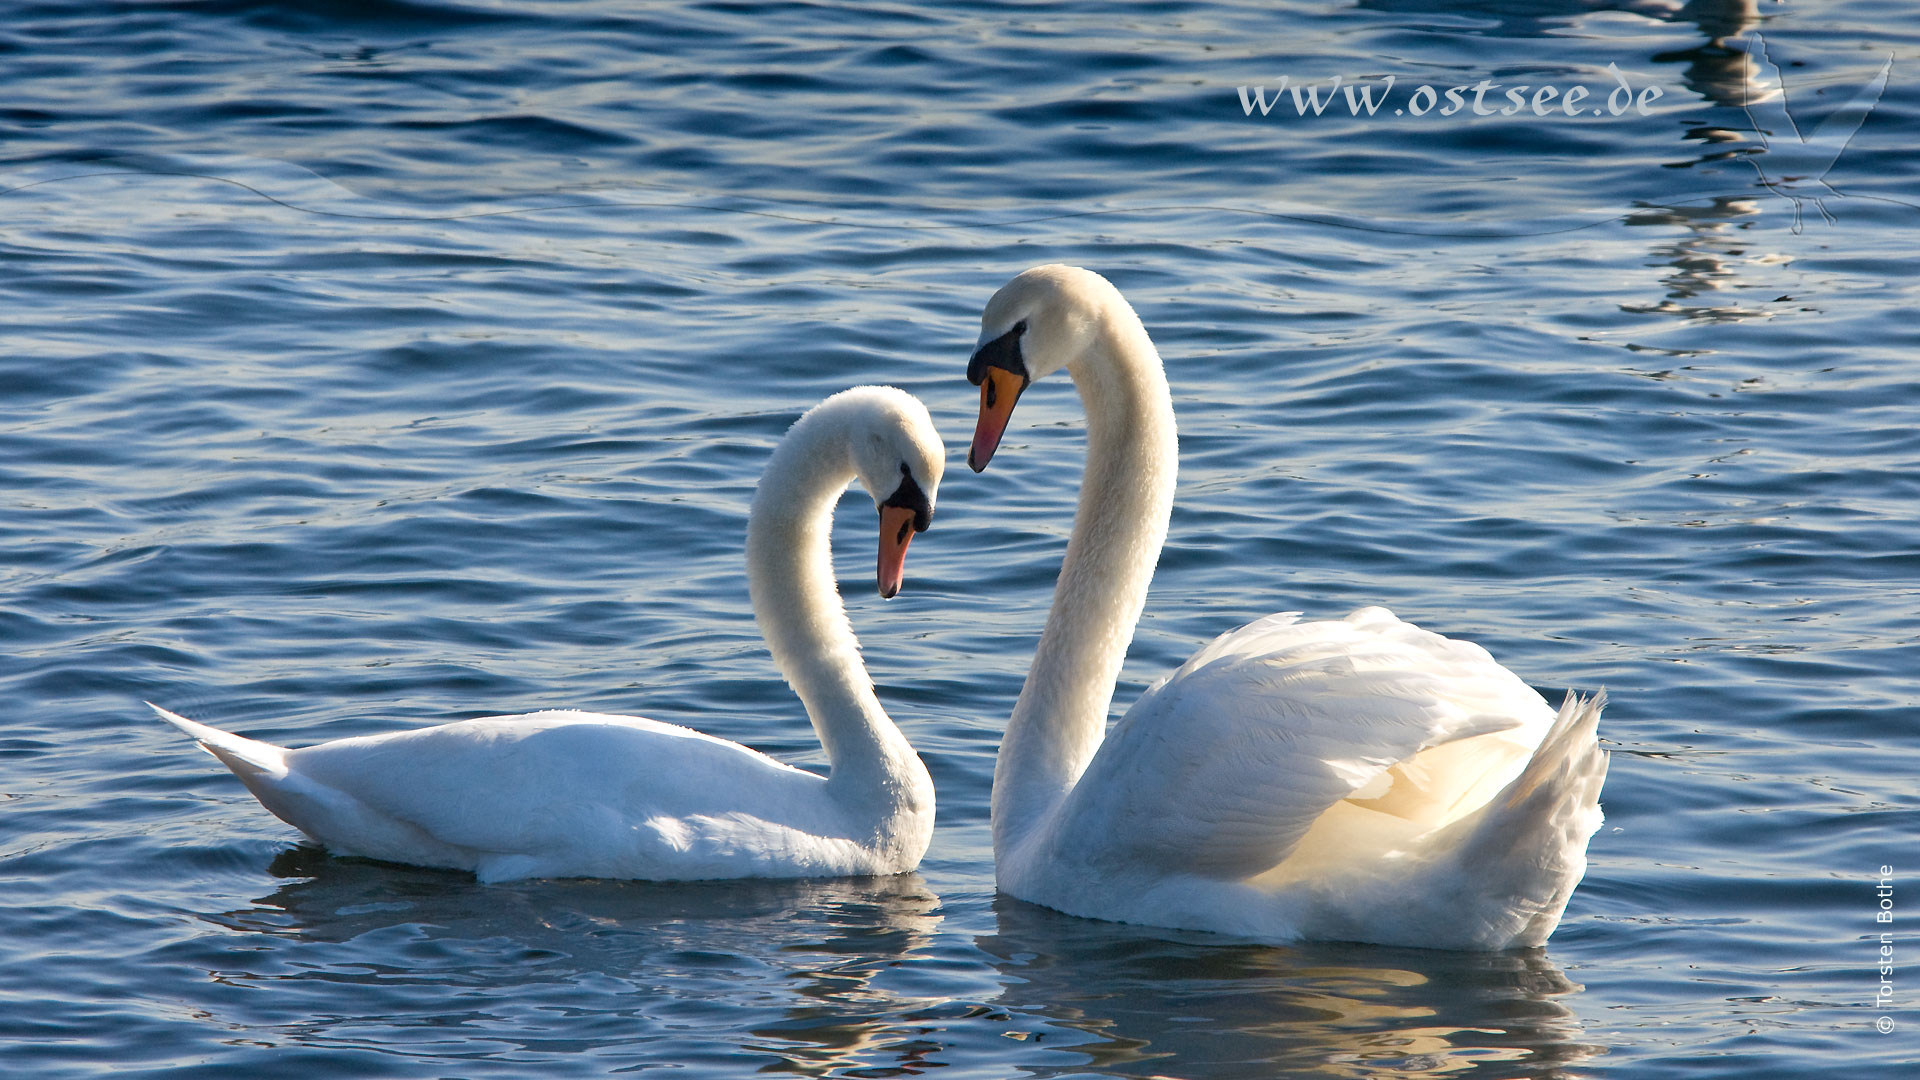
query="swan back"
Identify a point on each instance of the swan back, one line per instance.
(1414, 728)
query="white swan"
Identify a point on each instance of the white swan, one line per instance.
(1359, 780)
(576, 794)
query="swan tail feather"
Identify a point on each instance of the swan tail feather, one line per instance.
(298, 800)
(246, 757)
(1570, 753)
(1528, 848)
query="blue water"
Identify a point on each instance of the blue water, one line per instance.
(378, 364)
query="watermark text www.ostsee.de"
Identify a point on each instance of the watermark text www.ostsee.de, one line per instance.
(1484, 98)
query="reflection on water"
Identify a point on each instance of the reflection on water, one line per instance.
(1148, 1002)
(335, 899)
(1706, 260)
(851, 977)
(628, 971)
(1722, 73)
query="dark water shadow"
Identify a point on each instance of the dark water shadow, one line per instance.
(1132, 1001)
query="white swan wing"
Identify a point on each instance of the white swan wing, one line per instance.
(618, 796)
(1221, 768)
(557, 794)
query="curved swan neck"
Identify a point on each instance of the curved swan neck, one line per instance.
(1126, 498)
(800, 614)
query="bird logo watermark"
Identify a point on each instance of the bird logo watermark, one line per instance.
(1791, 165)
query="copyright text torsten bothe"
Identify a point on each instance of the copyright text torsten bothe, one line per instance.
(1883, 914)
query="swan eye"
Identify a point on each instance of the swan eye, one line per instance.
(909, 496)
(1002, 352)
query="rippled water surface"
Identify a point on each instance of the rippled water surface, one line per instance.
(371, 365)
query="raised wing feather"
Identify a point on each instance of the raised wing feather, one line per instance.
(1222, 767)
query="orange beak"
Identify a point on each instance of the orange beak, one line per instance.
(999, 391)
(896, 531)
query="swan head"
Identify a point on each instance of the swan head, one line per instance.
(898, 458)
(1045, 319)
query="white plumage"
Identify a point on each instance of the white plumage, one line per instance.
(576, 794)
(1360, 779)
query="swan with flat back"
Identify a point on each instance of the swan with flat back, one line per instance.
(577, 794)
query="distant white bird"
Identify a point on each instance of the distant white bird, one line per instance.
(576, 794)
(1791, 163)
(1358, 780)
